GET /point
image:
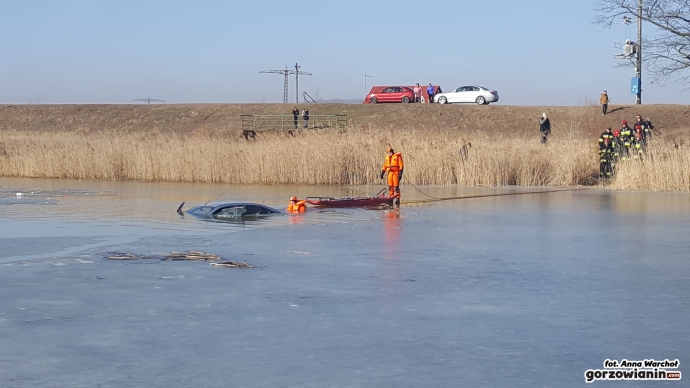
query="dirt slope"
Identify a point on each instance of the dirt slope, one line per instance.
(587, 121)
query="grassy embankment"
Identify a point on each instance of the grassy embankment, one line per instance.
(201, 143)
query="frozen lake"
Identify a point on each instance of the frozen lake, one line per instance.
(511, 291)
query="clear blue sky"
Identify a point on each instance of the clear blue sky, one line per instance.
(537, 52)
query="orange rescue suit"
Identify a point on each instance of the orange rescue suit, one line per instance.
(297, 207)
(393, 165)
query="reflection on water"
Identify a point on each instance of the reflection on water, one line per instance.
(512, 291)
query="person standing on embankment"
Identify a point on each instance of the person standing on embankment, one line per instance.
(604, 101)
(295, 116)
(417, 93)
(430, 91)
(305, 117)
(393, 165)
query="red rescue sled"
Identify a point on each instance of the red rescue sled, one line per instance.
(378, 200)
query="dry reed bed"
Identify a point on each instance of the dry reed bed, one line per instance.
(329, 157)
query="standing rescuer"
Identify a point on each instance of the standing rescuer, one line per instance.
(393, 165)
(626, 139)
(606, 158)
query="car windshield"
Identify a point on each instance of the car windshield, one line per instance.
(200, 210)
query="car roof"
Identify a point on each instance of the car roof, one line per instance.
(475, 86)
(224, 204)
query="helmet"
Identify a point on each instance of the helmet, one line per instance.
(293, 198)
(625, 122)
(617, 132)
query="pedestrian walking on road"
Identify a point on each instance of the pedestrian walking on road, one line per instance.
(604, 101)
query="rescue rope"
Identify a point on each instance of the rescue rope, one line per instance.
(434, 199)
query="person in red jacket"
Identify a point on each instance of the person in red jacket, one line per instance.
(393, 165)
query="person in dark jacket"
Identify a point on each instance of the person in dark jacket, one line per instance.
(638, 146)
(295, 116)
(544, 127)
(305, 117)
(606, 157)
(626, 140)
(646, 126)
(606, 135)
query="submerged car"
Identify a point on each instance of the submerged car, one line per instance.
(230, 211)
(392, 94)
(477, 94)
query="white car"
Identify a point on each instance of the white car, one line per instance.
(477, 94)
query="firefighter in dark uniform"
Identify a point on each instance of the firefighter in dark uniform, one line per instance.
(626, 140)
(646, 126)
(616, 143)
(638, 146)
(606, 157)
(606, 135)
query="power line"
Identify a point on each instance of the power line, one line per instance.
(148, 100)
(287, 72)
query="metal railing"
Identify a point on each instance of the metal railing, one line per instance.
(285, 122)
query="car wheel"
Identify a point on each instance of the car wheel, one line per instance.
(405, 100)
(442, 100)
(481, 100)
(373, 100)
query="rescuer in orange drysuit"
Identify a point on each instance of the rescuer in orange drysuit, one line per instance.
(394, 167)
(295, 206)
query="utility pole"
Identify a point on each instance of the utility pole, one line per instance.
(297, 73)
(638, 65)
(286, 73)
(365, 84)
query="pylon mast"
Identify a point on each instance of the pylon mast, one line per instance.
(286, 73)
(297, 73)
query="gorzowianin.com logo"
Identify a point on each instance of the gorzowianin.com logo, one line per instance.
(635, 370)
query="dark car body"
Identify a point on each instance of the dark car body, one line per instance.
(230, 211)
(392, 94)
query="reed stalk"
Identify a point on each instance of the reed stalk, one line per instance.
(329, 157)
